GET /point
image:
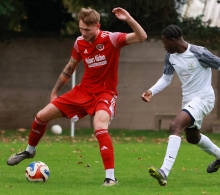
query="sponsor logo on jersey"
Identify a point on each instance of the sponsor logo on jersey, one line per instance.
(97, 60)
(100, 47)
(184, 76)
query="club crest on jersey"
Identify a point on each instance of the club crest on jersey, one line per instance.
(190, 66)
(100, 47)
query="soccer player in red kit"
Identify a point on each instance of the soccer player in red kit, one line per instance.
(97, 93)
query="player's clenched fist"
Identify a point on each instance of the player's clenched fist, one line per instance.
(146, 96)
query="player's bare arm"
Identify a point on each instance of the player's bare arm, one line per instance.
(64, 77)
(139, 35)
(146, 96)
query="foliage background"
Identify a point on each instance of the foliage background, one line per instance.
(25, 18)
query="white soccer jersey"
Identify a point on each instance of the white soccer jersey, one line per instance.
(193, 68)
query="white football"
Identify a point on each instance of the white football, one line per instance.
(37, 171)
(56, 129)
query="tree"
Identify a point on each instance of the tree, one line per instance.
(59, 17)
(32, 18)
(46, 15)
(6, 8)
(11, 13)
(152, 15)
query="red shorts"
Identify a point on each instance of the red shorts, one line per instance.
(76, 103)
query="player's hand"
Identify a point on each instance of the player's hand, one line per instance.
(121, 13)
(146, 96)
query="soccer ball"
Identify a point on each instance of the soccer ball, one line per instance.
(56, 129)
(37, 171)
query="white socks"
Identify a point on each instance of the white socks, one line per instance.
(208, 146)
(171, 153)
(109, 173)
(30, 149)
(173, 147)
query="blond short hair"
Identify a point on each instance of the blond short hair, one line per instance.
(89, 16)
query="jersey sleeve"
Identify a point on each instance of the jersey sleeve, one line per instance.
(118, 39)
(168, 68)
(165, 80)
(75, 52)
(205, 57)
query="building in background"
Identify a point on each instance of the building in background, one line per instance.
(210, 9)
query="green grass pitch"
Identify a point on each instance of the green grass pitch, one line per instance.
(76, 167)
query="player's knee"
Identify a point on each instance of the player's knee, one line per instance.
(175, 128)
(100, 126)
(101, 123)
(42, 117)
(38, 115)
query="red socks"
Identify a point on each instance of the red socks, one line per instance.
(38, 129)
(106, 148)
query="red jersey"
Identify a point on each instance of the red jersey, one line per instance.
(100, 61)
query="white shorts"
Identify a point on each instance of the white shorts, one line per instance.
(199, 107)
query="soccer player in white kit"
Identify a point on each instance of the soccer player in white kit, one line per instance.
(193, 66)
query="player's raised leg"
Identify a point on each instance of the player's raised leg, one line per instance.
(198, 108)
(209, 147)
(38, 129)
(213, 166)
(193, 136)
